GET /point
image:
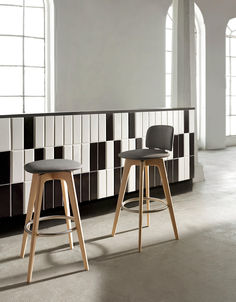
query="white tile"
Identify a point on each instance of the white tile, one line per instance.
(85, 128)
(186, 168)
(109, 154)
(49, 153)
(158, 118)
(117, 126)
(102, 183)
(132, 179)
(26, 188)
(102, 127)
(145, 123)
(49, 131)
(68, 130)
(77, 129)
(164, 118)
(191, 121)
(17, 133)
(132, 144)
(110, 182)
(59, 129)
(181, 121)
(67, 152)
(94, 128)
(124, 125)
(124, 147)
(85, 158)
(39, 132)
(181, 169)
(176, 122)
(29, 157)
(170, 118)
(5, 134)
(77, 155)
(186, 144)
(138, 124)
(17, 166)
(152, 119)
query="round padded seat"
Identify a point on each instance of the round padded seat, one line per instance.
(144, 154)
(52, 165)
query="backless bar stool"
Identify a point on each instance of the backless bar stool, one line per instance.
(158, 140)
(43, 171)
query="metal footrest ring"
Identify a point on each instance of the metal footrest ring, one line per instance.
(164, 206)
(41, 234)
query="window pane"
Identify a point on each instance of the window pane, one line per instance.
(233, 105)
(12, 2)
(233, 125)
(233, 66)
(169, 22)
(232, 24)
(233, 47)
(168, 62)
(34, 52)
(11, 105)
(228, 92)
(35, 104)
(36, 3)
(227, 46)
(11, 51)
(168, 84)
(233, 86)
(11, 20)
(168, 101)
(227, 105)
(11, 81)
(34, 22)
(34, 81)
(168, 40)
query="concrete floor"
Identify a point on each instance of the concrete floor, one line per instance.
(200, 267)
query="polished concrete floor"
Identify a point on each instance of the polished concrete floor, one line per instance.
(200, 267)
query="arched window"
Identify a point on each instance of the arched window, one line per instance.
(231, 77)
(24, 56)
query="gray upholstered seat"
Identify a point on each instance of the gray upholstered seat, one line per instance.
(144, 154)
(52, 165)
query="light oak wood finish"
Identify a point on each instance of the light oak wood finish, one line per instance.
(141, 181)
(147, 190)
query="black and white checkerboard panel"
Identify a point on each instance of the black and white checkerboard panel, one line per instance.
(95, 140)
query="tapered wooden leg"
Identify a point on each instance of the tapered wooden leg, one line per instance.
(67, 210)
(32, 197)
(141, 180)
(147, 190)
(37, 209)
(164, 179)
(121, 194)
(75, 210)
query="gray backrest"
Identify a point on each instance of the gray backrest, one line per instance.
(160, 137)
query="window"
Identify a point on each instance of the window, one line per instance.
(231, 78)
(169, 33)
(23, 57)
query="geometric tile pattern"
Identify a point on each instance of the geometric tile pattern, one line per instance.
(93, 139)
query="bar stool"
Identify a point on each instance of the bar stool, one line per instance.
(158, 140)
(43, 171)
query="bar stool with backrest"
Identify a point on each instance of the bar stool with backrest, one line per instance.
(43, 171)
(158, 140)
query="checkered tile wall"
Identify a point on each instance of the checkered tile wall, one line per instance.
(93, 139)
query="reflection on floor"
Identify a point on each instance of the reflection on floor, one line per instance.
(200, 267)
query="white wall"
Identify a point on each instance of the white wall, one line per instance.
(110, 54)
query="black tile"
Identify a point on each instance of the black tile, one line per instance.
(117, 179)
(176, 146)
(170, 171)
(48, 195)
(57, 194)
(58, 152)
(93, 157)
(85, 187)
(101, 156)
(117, 150)
(151, 176)
(175, 170)
(93, 185)
(191, 143)
(137, 177)
(17, 199)
(77, 180)
(192, 170)
(5, 167)
(109, 127)
(157, 177)
(131, 125)
(181, 145)
(28, 132)
(138, 143)
(38, 154)
(5, 208)
(186, 121)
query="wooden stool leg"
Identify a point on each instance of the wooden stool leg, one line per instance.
(164, 179)
(147, 189)
(38, 204)
(141, 180)
(121, 194)
(32, 196)
(75, 209)
(67, 210)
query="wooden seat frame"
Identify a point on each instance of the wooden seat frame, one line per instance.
(35, 203)
(144, 165)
